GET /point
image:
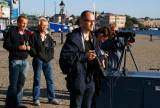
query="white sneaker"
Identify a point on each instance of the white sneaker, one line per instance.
(55, 102)
(37, 103)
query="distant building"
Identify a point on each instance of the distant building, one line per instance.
(72, 20)
(146, 22)
(4, 21)
(32, 19)
(4, 14)
(150, 22)
(14, 8)
(5, 9)
(57, 18)
(156, 22)
(107, 19)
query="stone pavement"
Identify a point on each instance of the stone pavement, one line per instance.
(59, 81)
(146, 55)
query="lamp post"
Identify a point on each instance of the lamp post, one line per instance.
(61, 12)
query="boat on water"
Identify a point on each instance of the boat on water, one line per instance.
(153, 29)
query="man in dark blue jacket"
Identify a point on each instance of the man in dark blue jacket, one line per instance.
(76, 60)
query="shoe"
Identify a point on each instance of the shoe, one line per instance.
(22, 106)
(55, 102)
(37, 103)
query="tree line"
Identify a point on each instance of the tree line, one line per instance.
(130, 21)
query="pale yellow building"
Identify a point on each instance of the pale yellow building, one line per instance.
(149, 22)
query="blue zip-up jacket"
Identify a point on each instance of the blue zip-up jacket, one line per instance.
(114, 52)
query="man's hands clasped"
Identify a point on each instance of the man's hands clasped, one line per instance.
(91, 54)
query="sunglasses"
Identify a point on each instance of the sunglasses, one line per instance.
(90, 21)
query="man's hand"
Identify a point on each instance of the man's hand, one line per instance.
(91, 55)
(104, 53)
(129, 43)
(28, 48)
(22, 47)
(103, 63)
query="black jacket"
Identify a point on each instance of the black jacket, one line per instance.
(43, 50)
(12, 42)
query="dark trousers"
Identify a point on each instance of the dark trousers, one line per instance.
(83, 101)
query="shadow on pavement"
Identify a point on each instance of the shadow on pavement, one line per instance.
(3, 90)
(3, 99)
(60, 94)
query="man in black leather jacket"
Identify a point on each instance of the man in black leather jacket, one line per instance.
(42, 51)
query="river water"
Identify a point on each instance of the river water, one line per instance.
(145, 32)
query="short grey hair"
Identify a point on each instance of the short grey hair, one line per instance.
(42, 20)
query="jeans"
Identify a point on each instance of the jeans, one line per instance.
(38, 66)
(83, 101)
(17, 74)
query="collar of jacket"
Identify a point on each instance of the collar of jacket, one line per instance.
(39, 34)
(78, 39)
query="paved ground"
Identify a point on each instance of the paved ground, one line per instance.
(60, 85)
(146, 55)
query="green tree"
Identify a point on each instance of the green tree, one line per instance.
(132, 20)
(128, 17)
(129, 23)
(141, 25)
(146, 18)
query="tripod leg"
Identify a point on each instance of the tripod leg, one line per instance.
(124, 68)
(120, 60)
(133, 59)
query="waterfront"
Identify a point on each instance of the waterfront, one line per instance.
(145, 32)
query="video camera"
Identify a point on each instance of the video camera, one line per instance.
(128, 35)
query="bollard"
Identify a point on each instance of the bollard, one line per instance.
(150, 37)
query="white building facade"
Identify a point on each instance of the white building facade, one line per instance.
(5, 11)
(107, 19)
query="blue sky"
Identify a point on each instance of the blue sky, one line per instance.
(133, 8)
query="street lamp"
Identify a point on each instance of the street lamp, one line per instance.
(61, 12)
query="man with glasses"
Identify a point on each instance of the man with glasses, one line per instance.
(42, 51)
(76, 60)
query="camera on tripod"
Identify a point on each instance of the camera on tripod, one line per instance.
(128, 35)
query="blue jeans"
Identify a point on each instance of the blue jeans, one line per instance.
(17, 74)
(38, 66)
(83, 101)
